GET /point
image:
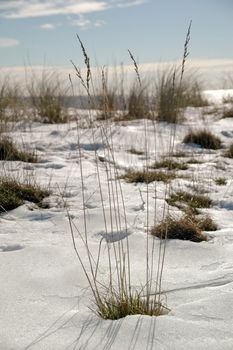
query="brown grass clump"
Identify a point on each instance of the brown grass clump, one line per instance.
(148, 176)
(221, 181)
(117, 306)
(203, 138)
(170, 164)
(183, 228)
(188, 201)
(13, 193)
(228, 113)
(229, 152)
(138, 104)
(9, 151)
(205, 223)
(135, 151)
(47, 96)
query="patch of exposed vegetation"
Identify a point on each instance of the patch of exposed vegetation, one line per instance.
(148, 176)
(135, 151)
(221, 181)
(170, 164)
(183, 228)
(189, 202)
(228, 113)
(9, 151)
(13, 193)
(229, 152)
(119, 306)
(204, 138)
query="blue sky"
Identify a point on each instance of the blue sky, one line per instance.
(44, 32)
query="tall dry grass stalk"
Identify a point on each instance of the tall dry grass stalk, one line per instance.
(116, 294)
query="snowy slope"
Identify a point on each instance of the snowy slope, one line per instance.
(44, 296)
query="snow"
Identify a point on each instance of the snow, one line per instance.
(45, 298)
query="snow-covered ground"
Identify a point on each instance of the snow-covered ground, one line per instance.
(44, 295)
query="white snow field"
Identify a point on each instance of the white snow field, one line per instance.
(45, 299)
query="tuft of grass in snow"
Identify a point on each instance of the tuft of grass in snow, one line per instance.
(179, 154)
(135, 151)
(9, 151)
(183, 228)
(205, 223)
(13, 193)
(204, 138)
(188, 201)
(170, 165)
(138, 104)
(229, 152)
(221, 181)
(115, 306)
(228, 113)
(121, 300)
(11, 106)
(147, 176)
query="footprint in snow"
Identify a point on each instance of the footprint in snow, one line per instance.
(116, 236)
(92, 146)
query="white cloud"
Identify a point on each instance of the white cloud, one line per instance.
(47, 26)
(8, 42)
(131, 3)
(41, 8)
(85, 23)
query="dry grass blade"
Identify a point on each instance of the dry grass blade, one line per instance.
(135, 67)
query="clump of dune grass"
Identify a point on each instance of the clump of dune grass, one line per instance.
(192, 95)
(203, 138)
(179, 154)
(167, 97)
(193, 161)
(148, 176)
(9, 151)
(228, 113)
(189, 201)
(135, 151)
(11, 106)
(170, 164)
(121, 300)
(173, 95)
(116, 306)
(138, 103)
(221, 181)
(229, 152)
(14, 193)
(183, 228)
(47, 97)
(204, 222)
